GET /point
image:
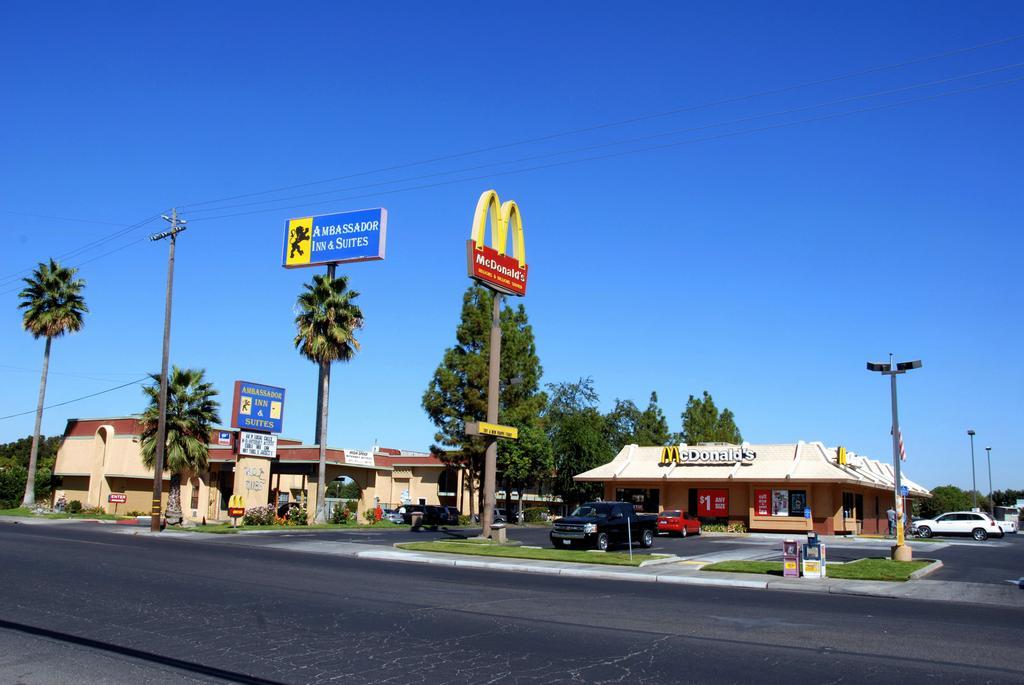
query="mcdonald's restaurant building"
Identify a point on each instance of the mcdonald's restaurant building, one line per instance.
(767, 487)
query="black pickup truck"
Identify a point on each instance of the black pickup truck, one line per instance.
(602, 524)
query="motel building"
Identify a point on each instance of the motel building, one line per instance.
(102, 457)
(767, 487)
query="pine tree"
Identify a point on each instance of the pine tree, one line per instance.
(702, 422)
(457, 392)
(652, 428)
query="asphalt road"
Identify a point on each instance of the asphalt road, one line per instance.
(83, 605)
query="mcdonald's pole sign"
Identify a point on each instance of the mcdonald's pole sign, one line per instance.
(493, 266)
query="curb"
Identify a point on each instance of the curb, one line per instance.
(420, 558)
(927, 570)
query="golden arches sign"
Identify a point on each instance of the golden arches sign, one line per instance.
(494, 266)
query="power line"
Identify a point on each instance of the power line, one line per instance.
(62, 218)
(7, 280)
(77, 399)
(87, 261)
(631, 120)
(689, 141)
(128, 228)
(636, 139)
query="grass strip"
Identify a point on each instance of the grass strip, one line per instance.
(226, 529)
(490, 550)
(28, 513)
(861, 569)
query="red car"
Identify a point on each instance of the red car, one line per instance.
(678, 523)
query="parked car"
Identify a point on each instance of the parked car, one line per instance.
(602, 524)
(675, 522)
(434, 515)
(453, 515)
(978, 525)
(406, 511)
(393, 516)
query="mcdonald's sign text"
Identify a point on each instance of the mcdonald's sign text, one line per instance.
(496, 270)
(494, 266)
(706, 455)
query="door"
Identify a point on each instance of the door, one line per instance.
(972, 521)
(691, 503)
(616, 525)
(945, 524)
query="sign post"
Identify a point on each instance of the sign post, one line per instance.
(332, 239)
(258, 412)
(236, 508)
(504, 274)
(117, 498)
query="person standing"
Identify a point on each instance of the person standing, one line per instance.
(891, 514)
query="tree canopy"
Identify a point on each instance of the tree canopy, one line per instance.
(52, 300)
(579, 438)
(192, 412)
(703, 422)
(947, 498)
(457, 391)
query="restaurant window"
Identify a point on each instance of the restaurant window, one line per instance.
(847, 505)
(797, 502)
(195, 493)
(648, 500)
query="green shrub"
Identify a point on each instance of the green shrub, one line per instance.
(259, 516)
(136, 513)
(535, 514)
(93, 511)
(734, 527)
(74, 506)
(297, 516)
(371, 515)
(352, 505)
(465, 520)
(339, 515)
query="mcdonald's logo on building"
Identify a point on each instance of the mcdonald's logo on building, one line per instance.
(493, 266)
(669, 455)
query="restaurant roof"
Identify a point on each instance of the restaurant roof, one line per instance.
(792, 462)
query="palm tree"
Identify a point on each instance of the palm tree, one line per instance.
(191, 413)
(53, 304)
(325, 321)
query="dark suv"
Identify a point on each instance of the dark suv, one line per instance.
(433, 515)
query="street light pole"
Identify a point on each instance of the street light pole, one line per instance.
(991, 503)
(900, 551)
(974, 482)
(177, 226)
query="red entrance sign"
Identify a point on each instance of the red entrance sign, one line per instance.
(501, 272)
(117, 498)
(762, 502)
(713, 503)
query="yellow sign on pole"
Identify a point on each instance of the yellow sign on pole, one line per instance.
(495, 429)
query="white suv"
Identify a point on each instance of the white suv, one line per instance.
(976, 524)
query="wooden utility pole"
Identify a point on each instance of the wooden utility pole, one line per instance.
(177, 226)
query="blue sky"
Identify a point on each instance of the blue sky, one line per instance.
(764, 250)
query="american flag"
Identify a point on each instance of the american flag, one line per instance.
(903, 451)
